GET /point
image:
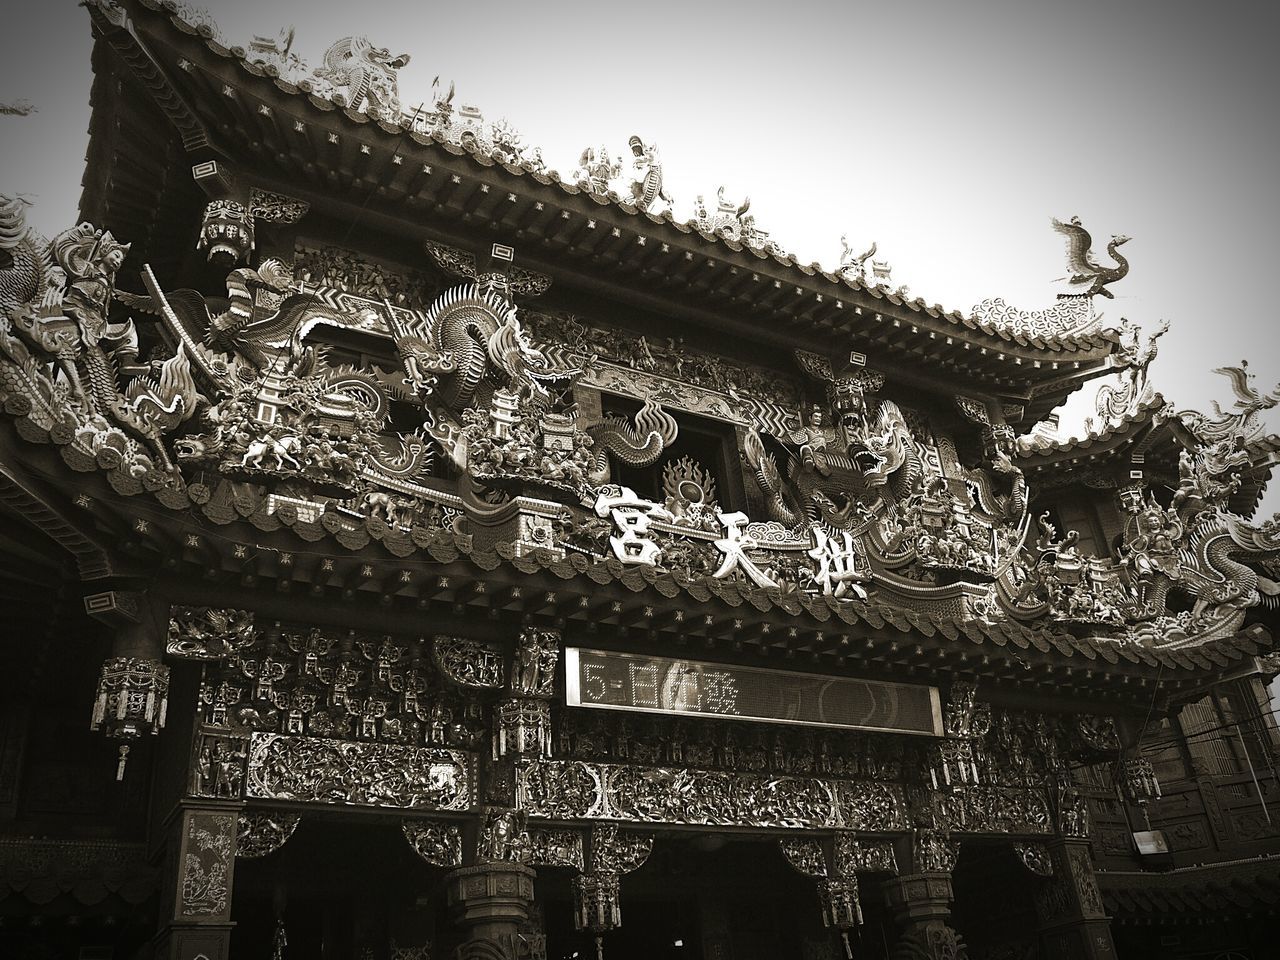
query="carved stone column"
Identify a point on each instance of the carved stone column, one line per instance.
(921, 905)
(199, 867)
(1073, 924)
(491, 901)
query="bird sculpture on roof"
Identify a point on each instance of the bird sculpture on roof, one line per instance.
(1244, 422)
(1087, 277)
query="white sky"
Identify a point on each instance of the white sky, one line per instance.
(948, 132)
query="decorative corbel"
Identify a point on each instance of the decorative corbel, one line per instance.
(209, 633)
(1035, 857)
(833, 865)
(263, 832)
(439, 844)
(228, 230)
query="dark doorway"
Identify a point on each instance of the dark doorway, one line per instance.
(707, 897)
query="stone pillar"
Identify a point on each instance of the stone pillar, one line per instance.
(1073, 924)
(490, 901)
(921, 905)
(199, 867)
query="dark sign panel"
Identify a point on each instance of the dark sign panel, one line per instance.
(625, 681)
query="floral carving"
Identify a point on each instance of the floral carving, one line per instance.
(440, 844)
(577, 790)
(263, 832)
(209, 633)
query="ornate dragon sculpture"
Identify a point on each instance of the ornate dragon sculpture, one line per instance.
(636, 444)
(365, 72)
(647, 187)
(478, 332)
(1195, 547)
(853, 266)
(820, 484)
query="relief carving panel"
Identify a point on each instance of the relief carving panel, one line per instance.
(343, 771)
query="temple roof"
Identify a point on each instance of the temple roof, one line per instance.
(1189, 893)
(220, 103)
(902, 547)
(1149, 435)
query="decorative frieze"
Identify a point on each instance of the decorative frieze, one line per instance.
(575, 790)
(352, 772)
(469, 663)
(854, 853)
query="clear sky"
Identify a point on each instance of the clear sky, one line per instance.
(949, 132)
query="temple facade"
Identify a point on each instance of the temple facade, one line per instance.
(410, 551)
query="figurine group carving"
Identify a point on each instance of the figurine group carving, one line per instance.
(861, 486)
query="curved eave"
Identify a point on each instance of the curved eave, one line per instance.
(321, 152)
(178, 532)
(1113, 436)
(1190, 894)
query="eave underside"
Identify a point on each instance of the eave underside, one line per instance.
(413, 187)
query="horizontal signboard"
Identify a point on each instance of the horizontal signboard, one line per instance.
(628, 681)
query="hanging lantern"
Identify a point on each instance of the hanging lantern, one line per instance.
(841, 908)
(133, 698)
(1138, 780)
(523, 727)
(597, 906)
(953, 766)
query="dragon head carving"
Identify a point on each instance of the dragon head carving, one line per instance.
(880, 448)
(193, 449)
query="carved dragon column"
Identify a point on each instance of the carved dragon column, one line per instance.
(491, 897)
(921, 902)
(1072, 922)
(202, 834)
